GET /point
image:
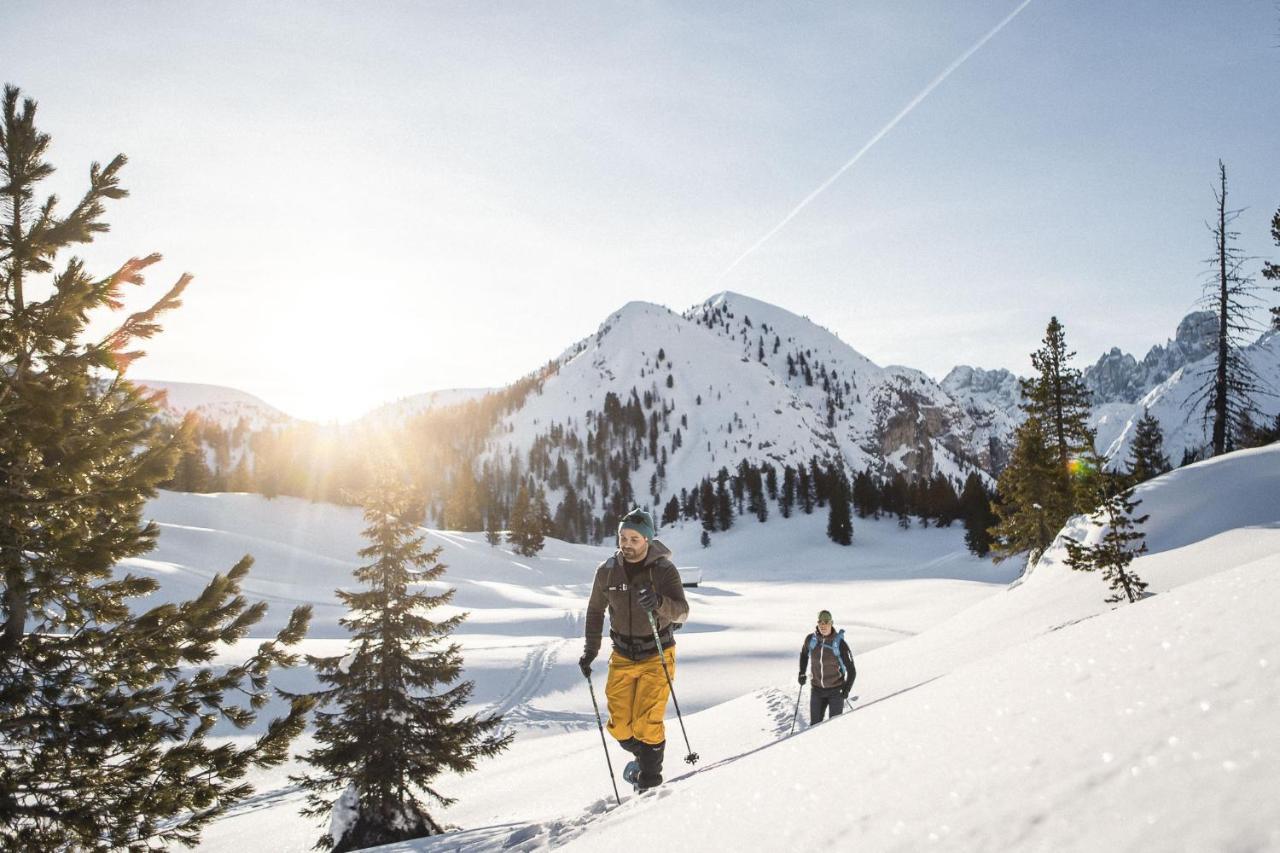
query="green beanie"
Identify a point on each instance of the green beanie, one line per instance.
(824, 616)
(639, 521)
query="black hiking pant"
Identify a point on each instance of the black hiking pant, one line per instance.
(822, 699)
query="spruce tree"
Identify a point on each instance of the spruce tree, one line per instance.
(1121, 542)
(787, 499)
(671, 512)
(839, 512)
(1230, 384)
(1033, 504)
(529, 520)
(395, 726)
(104, 709)
(724, 503)
(707, 506)
(1059, 399)
(975, 509)
(1271, 271)
(492, 533)
(1146, 455)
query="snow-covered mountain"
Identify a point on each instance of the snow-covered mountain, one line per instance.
(218, 404)
(407, 407)
(1118, 377)
(990, 398)
(1166, 382)
(663, 400)
(891, 418)
(1176, 404)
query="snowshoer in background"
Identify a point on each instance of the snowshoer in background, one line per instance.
(827, 657)
(638, 579)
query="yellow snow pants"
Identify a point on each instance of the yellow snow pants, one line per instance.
(637, 694)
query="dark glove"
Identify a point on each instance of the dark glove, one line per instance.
(648, 598)
(584, 662)
(803, 678)
(844, 691)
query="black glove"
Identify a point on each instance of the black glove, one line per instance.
(844, 691)
(803, 678)
(648, 598)
(584, 662)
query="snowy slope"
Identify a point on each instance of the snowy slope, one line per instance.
(1036, 717)
(406, 407)
(1039, 719)
(216, 403)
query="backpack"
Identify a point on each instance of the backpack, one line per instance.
(834, 645)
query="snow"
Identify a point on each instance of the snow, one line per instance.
(987, 715)
(406, 407)
(216, 403)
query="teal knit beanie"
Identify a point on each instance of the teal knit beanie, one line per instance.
(639, 521)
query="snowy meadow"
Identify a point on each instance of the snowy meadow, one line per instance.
(991, 711)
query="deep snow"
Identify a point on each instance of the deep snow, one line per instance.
(993, 716)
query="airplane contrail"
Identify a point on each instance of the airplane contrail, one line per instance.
(880, 134)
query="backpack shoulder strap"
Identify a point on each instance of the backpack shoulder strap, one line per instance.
(835, 650)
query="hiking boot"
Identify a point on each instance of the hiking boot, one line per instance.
(650, 759)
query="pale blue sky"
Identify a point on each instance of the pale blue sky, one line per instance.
(380, 199)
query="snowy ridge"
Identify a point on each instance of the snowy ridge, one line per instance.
(892, 415)
(215, 403)
(416, 404)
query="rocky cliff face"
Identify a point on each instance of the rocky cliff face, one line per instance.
(1120, 378)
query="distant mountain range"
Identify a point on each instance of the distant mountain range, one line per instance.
(734, 378)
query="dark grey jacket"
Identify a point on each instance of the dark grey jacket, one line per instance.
(616, 588)
(825, 667)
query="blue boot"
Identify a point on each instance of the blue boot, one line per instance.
(631, 773)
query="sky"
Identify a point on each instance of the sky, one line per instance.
(382, 199)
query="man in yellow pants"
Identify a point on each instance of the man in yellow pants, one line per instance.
(637, 580)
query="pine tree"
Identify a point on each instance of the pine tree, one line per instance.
(705, 539)
(866, 498)
(724, 503)
(839, 513)
(492, 534)
(1045, 482)
(1230, 386)
(975, 509)
(671, 512)
(1271, 271)
(192, 472)
(104, 711)
(529, 520)
(787, 500)
(1146, 456)
(1121, 541)
(395, 727)
(1033, 504)
(707, 506)
(1059, 399)
(462, 506)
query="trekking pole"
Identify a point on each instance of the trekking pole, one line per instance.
(603, 742)
(692, 757)
(796, 712)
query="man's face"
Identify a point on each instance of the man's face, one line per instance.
(825, 628)
(633, 545)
